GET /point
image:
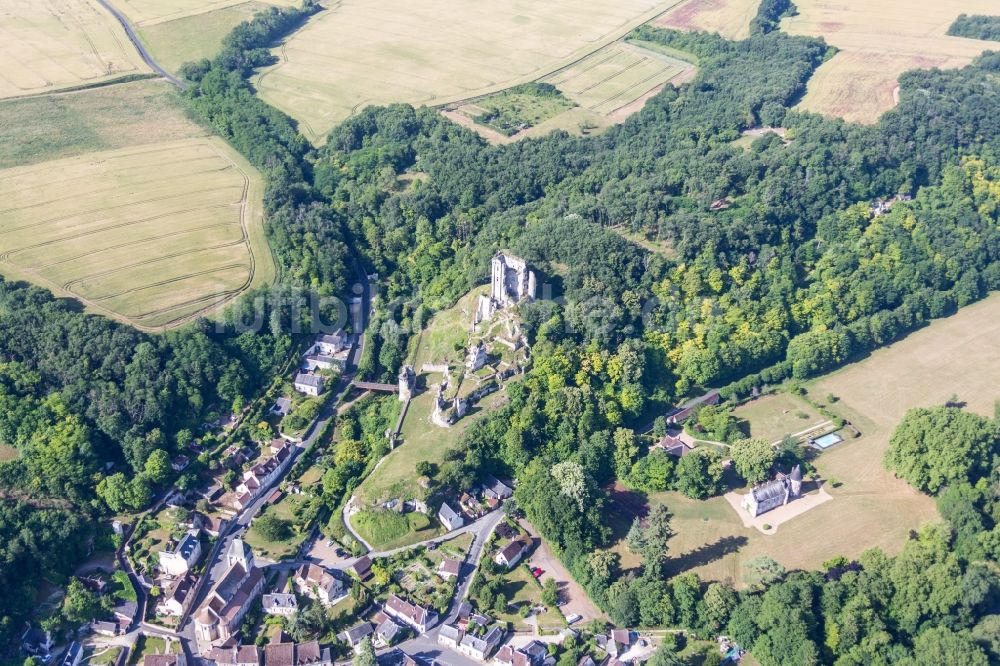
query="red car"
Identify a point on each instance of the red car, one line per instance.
(536, 572)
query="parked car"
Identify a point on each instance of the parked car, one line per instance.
(536, 572)
(575, 617)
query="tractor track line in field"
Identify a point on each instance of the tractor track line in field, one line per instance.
(160, 283)
(140, 241)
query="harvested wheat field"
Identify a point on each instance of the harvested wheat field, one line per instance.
(151, 235)
(616, 76)
(151, 12)
(56, 44)
(879, 40)
(365, 52)
(729, 18)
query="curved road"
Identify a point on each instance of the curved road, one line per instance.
(137, 43)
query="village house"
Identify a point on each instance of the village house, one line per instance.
(125, 611)
(317, 583)
(330, 344)
(493, 488)
(105, 628)
(230, 599)
(311, 654)
(532, 654)
(674, 446)
(449, 569)
(357, 635)
(178, 557)
(314, 362)
(449, 518)
(415, 616)
(309, 384)
(362, 568)
(264, 474)
(511, 554)
(176, 596)
(280, 603)
(617, 643)
(481, 647)
(279, 654)
(281, 406)
(772, 494)
(450, 636)
(235, 655)
(386, 630)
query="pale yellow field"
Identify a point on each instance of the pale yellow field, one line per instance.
(152, 235)
(48, 45)
(878, 40)
(729, 18)
(151, 12)
(616, 76)
(364, 52)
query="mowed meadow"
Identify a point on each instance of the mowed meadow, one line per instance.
(179, 31)
(871, 508)
(360, 53)
(56, 44)
(877, 41)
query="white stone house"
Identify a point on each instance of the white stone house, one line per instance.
(450, 518)
(309, 384)
(178, 558)
(511, 554)
(280, 603)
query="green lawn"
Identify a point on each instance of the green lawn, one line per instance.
(422, 440)
(776, 415)
(104, 657)
(147, 645)
(521, 589)
(286, 509)
(447, 330)
(386, 530)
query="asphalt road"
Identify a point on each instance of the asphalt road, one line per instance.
(137, 43)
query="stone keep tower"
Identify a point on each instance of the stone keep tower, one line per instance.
(510, 280)
(407, 380)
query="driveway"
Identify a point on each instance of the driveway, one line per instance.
(576, 599)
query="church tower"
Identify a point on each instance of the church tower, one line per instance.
(239, 553)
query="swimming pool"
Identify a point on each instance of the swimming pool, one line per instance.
(826, 441)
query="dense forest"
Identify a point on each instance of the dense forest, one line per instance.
(773, 265)
(976, 27)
